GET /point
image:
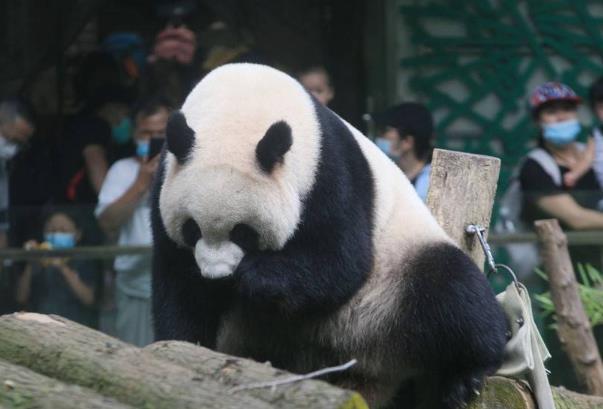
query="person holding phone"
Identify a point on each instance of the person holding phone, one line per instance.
(123, 213)
(62, 286)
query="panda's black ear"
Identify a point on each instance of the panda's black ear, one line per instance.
(272, 148)
(180, 138)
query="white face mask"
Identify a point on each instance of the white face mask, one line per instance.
(8, 149)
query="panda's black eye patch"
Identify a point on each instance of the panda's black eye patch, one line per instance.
(191, 233)
(180, 138)
(245, 237)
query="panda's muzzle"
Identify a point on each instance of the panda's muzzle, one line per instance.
(242, 235)
(220, 258)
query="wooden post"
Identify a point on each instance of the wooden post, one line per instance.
(461, 192)
(573, 328)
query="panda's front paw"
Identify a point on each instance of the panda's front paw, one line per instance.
(257, 286)
(459, 392)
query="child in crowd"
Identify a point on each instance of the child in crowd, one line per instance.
(59, 285)
(317, 81)
(593, 152)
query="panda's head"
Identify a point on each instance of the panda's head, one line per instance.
(242, 155)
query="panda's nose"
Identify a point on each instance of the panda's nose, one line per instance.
(245, 237)
(191, 233)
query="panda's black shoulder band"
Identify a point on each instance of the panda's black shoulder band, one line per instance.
(180, 138)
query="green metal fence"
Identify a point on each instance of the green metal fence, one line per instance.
(476, 61)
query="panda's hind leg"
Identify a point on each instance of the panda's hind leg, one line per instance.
(455, 331)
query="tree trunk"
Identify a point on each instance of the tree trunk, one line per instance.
(21, 388)
(76, 354)
(462, 187)
(573, 327)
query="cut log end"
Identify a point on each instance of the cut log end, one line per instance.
(356, 401)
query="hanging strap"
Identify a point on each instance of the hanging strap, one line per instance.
(525, 351)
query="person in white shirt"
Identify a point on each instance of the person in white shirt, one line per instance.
(123, 213)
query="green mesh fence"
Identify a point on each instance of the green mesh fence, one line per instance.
(476, 61)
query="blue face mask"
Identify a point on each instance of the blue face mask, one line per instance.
(386, 146)
(122, 131)
(561, 133)
(60, 240)
(143, 148)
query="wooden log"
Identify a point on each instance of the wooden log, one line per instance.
(462, 187)
(565, 399)
(504, 393)
(498, 393)
(573, 328)
(72, 353)
(21, 388)
(233, 372)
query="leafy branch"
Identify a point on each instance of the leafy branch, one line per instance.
(591, 294)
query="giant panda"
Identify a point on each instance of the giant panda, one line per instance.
(282, 234)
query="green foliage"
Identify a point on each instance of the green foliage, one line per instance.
(591, 294)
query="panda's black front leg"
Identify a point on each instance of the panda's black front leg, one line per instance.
(296, 282)
(454, 329)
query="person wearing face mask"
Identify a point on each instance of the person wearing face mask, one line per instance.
(408, 141)
(547, 193)
(57, 285)
(98, 135)
(123, 213)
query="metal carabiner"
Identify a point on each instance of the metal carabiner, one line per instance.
(478, 230)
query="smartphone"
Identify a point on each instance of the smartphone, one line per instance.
(155, 146)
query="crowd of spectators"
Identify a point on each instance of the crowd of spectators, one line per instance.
(81, 175)
(89, 184)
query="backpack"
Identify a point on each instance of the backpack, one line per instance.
(523, 256)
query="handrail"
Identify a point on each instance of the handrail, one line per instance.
(575, 238)
(81, 252)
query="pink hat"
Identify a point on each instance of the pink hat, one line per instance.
(552, 91)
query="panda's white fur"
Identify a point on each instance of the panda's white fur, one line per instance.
(221, 185)
(224, 158)
(225, 166)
